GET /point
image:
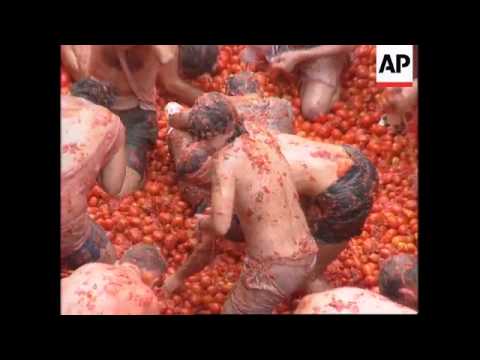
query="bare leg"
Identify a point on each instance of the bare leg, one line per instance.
(133, 181)
(317, 98)
(326, 254)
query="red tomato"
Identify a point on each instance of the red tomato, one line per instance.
(170, 242)
(165, 218)
(134, 234)
(215, 308)
(148, 239)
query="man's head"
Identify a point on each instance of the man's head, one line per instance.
(398, 279)
(196, 60)
(98, 92)
(340, 212)
(213, 118)
(243, 83)
(149, 261)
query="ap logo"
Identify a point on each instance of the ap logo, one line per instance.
(394, 65)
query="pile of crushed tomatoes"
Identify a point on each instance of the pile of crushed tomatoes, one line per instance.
(157, 214)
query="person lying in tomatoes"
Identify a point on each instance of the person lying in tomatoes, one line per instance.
(133, 71)
(121, 289)
(336, 183)
(349, 300)
(92, 150)
(318, 66)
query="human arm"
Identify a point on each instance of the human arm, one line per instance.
(168, 75)
(180, 120)
(201, 256)
(288, 60)
(71, 62)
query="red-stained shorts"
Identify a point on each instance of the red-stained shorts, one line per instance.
(96, 248)
(265, 284)
(141, 136)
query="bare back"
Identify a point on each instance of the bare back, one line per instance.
(103, 289)
(349, 300)
(274, 113)
(266, 201)
(90, 137)
(314, 166)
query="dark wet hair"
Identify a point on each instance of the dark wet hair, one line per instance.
(197, 59)
(399, 271)
(242, 84)
(211, 115)
(345, 205)
(196, 158)
(146, 257)
(98, 92)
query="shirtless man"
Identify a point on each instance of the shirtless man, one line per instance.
(336, 183)
(349, 300)
(121, 289)
(319, 67)
(133, 71)
(251, 178)
(92, 149)
(194, 182)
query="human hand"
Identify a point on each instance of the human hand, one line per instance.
(285, 61)
(173, 108)
(203, 220)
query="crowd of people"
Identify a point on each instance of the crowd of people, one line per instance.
(295, 203)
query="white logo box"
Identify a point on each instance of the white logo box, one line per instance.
(396, 71)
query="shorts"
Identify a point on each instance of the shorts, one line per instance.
(141, 136)
(96, 248)
(265, 284)
(339, 213)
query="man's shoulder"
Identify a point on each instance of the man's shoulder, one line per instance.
(229, 152)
